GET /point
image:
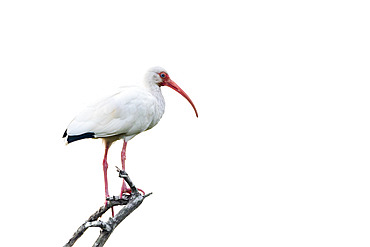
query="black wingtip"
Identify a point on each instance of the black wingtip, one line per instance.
(65, 133)
(79, 137)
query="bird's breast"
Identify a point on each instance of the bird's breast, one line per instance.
(141, 112)
(158, 109)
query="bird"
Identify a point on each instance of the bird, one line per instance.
(123, 115)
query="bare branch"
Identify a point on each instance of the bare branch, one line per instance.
(131, 203)
(123, 174)
(104, 226)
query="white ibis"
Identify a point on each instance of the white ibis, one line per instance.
(123, 115)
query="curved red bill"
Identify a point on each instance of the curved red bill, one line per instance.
(170, 83)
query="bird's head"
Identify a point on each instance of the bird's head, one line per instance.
(161, 78)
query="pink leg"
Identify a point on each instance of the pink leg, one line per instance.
(123, 159)
(105, 168)
(124, 188)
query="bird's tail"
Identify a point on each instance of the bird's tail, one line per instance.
(73, 138)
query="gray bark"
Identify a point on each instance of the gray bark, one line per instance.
(131, 203)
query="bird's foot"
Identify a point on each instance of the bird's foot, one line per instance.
(129, 192)
(126, 190)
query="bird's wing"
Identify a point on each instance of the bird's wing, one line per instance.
(128, 112)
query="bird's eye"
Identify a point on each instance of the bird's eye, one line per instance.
(163, 75)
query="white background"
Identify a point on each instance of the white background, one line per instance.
(279, 155)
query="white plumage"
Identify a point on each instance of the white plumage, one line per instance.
(129, 112)
(123, 115)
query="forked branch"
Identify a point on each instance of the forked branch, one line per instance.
(131, 203)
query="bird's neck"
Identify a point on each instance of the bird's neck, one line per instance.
(151, 85)
(159, 104)
(157, 93)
